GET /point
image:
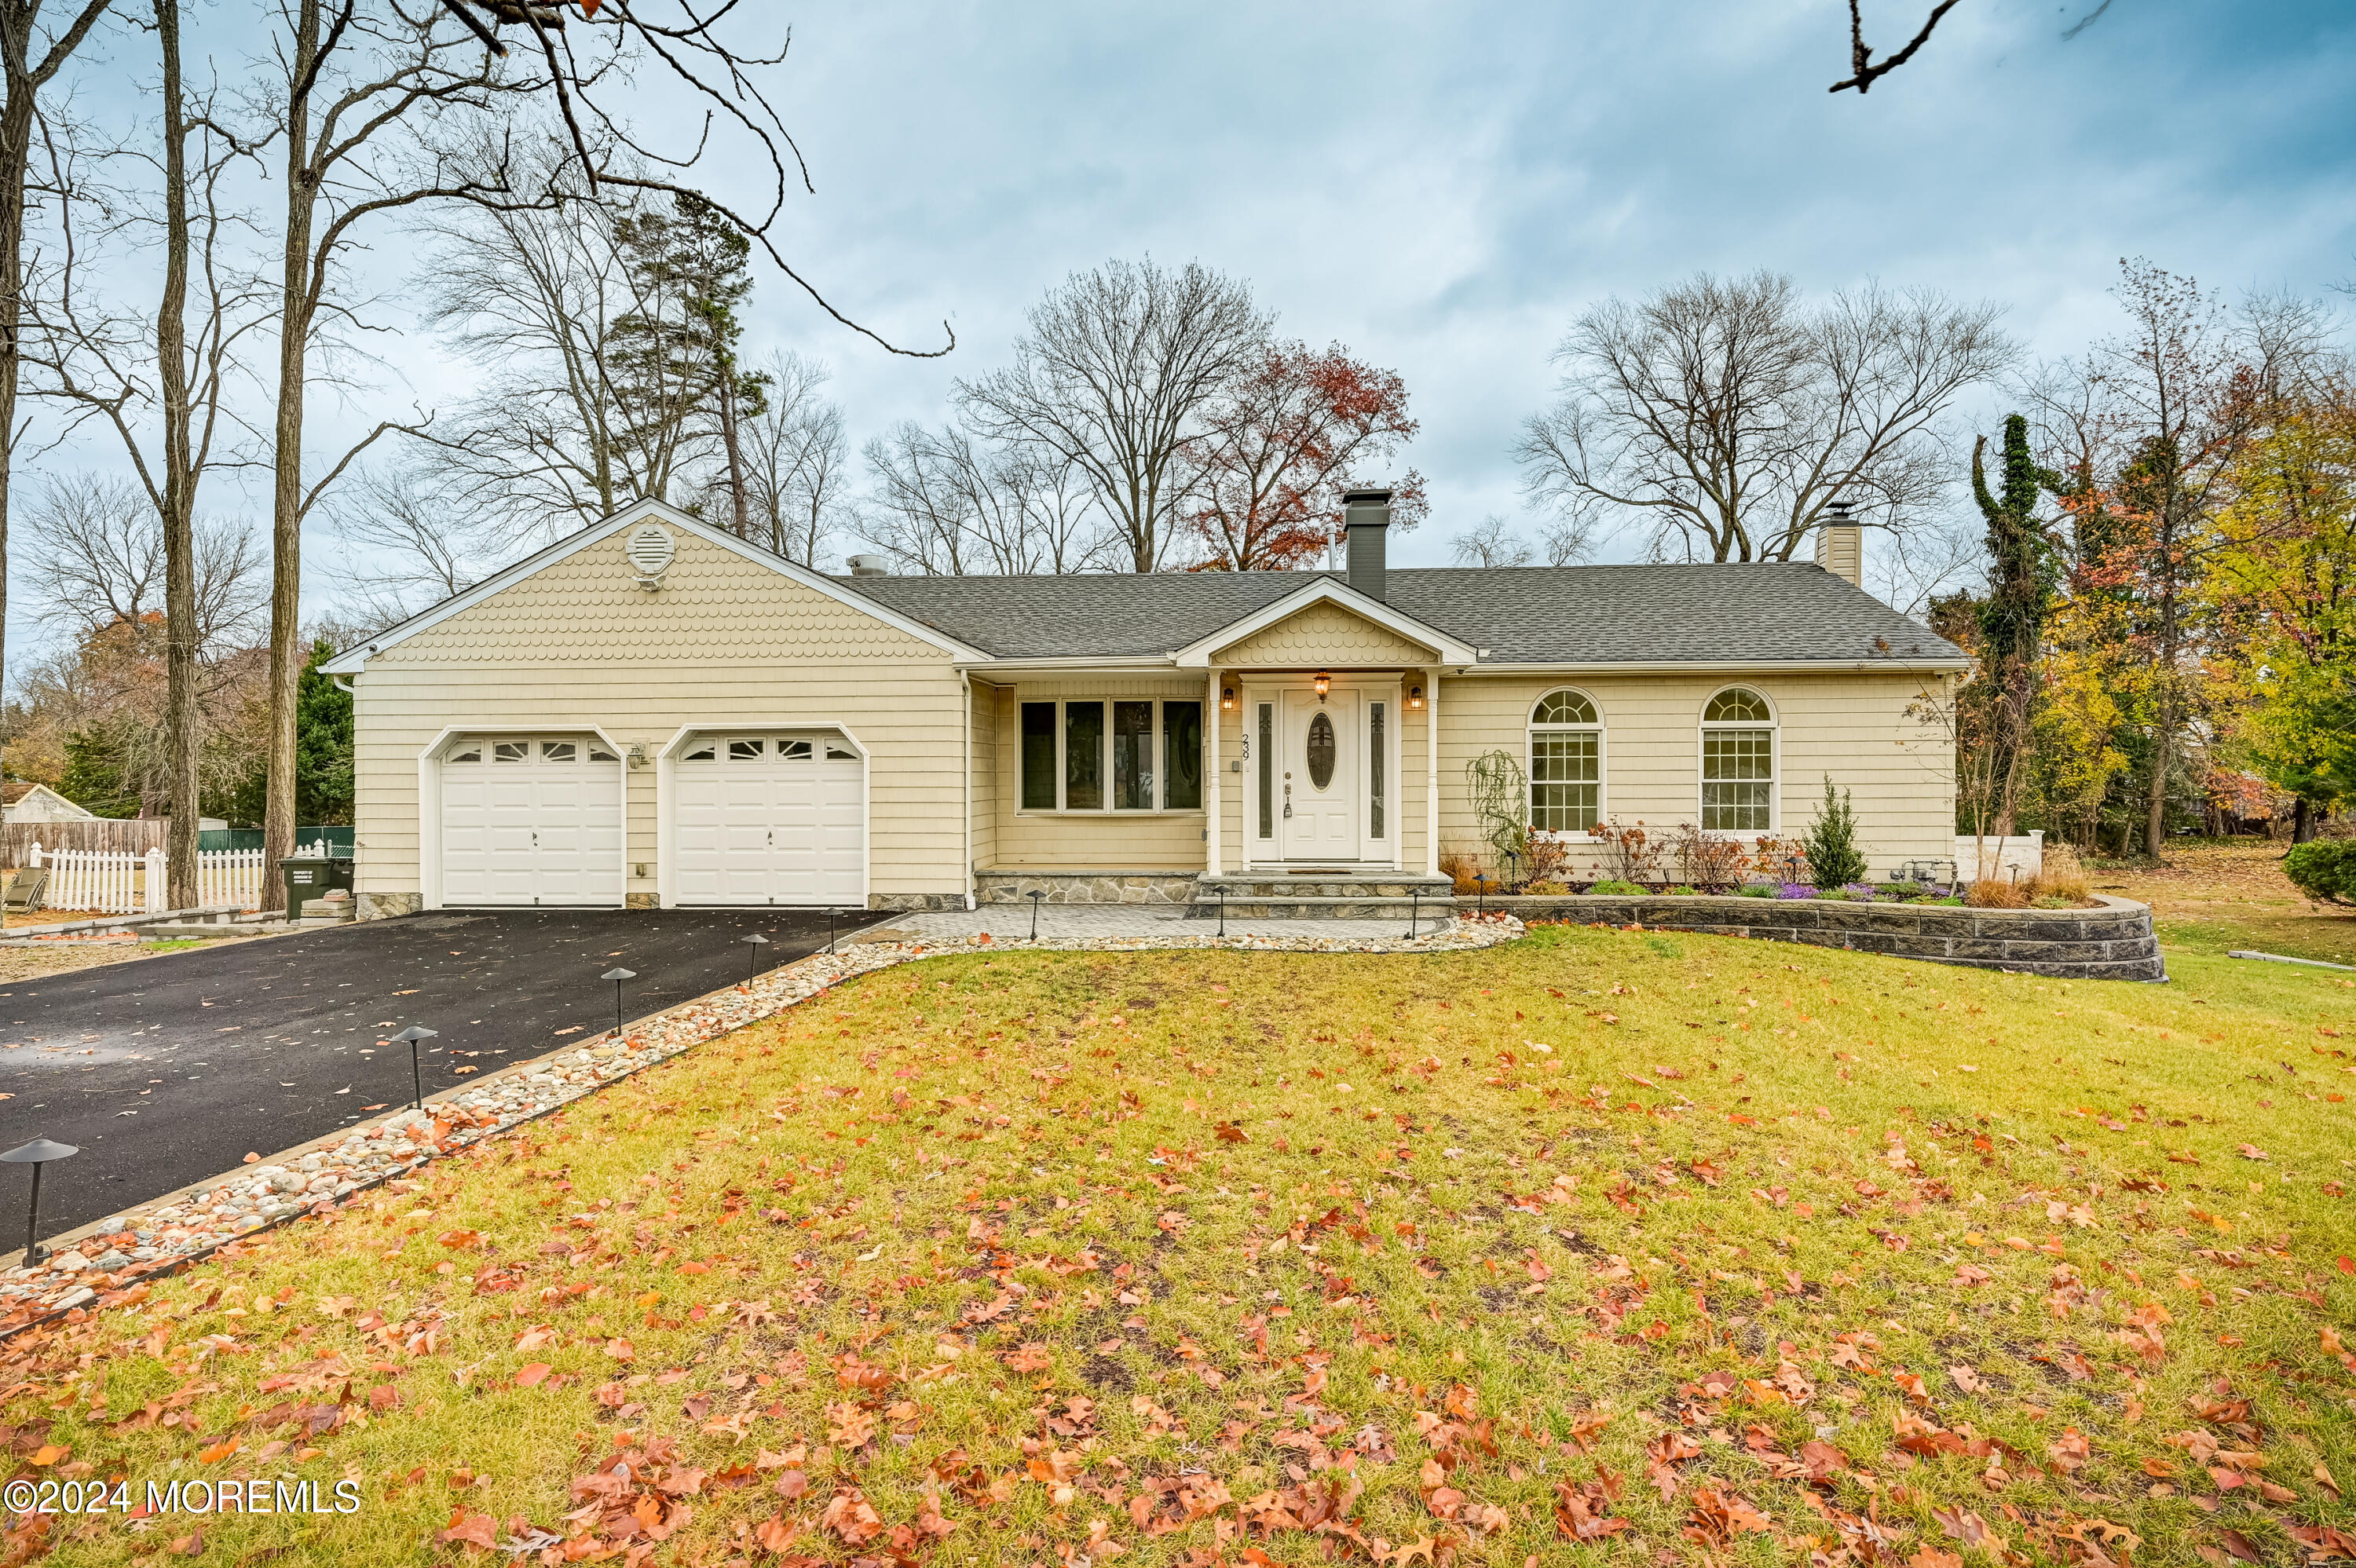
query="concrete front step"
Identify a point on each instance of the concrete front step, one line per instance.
(1431, 911)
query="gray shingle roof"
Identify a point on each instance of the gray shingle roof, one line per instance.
(1572, 614)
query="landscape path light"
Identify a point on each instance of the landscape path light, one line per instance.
(757, 941)
(617, 976)
(37, 1154)
(1036, 896)
(412, 1034)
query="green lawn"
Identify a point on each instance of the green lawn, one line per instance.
(1678, 1247)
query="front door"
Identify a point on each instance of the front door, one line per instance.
(1318, 777)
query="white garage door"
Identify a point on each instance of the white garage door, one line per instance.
(774, 818)
(531, 820)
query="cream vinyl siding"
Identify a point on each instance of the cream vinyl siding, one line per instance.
(1321, 637)
(1855, 727)
(1093, 841)
(725, 641)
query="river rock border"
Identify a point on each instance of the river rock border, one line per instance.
(2111, 941)
(101, 1264)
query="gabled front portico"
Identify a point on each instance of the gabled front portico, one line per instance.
(1323, 687)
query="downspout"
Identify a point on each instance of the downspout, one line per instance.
(965, 679)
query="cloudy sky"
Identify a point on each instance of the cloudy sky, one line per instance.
(1443, 188)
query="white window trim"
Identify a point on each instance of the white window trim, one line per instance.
(1775, 728)
(429, 795)
(1161, 733)
(1600, 729)
(667, 760)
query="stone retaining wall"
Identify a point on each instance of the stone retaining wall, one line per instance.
(2112, 942)
(1016, 886)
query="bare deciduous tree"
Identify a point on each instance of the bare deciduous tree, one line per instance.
(362, 101)
(1865, 69)
(1491, 541)
(796, 460)
(94, 554)
(409, 546)
(623, 47)
(1721, 416)
(1113, 376)
(174, 368)
(30, 61)
(949, 502)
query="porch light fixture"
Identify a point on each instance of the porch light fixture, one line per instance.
(1226, 699)
(1415, 697)
(1325, 684)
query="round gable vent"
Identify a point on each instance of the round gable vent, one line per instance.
(650, 551)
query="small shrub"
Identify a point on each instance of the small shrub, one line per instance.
(1756, 890)
(1834, 858)
(1619, 888)
(1548, 888)
(1995, 892)
(2052, 901)
(1682, 892)
(1904, 890)
(1705, 861)
(1861, 892)
(1627, 854)
(2063, 876)
(2324, 870)
(1542, 859)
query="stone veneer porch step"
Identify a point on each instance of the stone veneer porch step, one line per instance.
(1336, 894)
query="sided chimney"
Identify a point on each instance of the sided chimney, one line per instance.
(1840, 544)
(1366, 523)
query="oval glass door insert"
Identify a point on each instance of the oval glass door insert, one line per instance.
(1321, 750)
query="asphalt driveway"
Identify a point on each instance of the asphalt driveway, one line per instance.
(169, 1069)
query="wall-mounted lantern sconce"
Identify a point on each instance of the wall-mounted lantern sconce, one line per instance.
(1226, 699)
(1324, 684)
(637, 753)
(1415, 697)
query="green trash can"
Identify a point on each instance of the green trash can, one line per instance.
(309, 877)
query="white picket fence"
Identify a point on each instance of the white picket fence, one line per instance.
(103, 882)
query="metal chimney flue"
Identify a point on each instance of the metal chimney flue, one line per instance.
(1366, 525)
(870, 566)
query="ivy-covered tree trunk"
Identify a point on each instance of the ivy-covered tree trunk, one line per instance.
(2012, 618)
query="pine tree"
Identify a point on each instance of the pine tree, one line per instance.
(1834, 858)
(675, 353)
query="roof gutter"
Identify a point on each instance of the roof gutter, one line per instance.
(1717, 666)
(1077, 664)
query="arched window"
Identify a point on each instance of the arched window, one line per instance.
(1738, 763)
(1566, 763)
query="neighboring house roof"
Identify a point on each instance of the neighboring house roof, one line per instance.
(22, 800)
(1772, 611)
